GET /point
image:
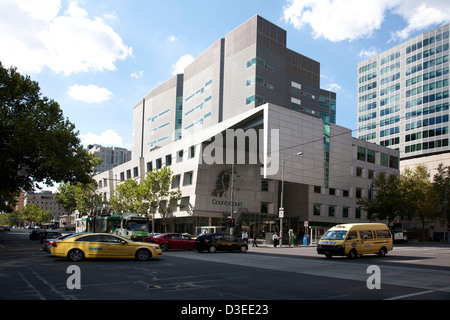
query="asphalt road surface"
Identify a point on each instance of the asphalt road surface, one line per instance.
(409, 272)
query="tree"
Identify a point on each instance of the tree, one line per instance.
(65, 197)
(442, 187)
(128, 198)
(32, 212)
(36, 143)
(155, 191)
(420, 198)
(386, 204)
(88, 201)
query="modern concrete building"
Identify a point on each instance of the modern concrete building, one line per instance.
(111, 156)
(47, 202)
(403, 98)
(230, 129)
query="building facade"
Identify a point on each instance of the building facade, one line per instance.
(47, 202)
(403, 98)
(111, 156)
(230, 128)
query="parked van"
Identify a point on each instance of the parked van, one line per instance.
(354, 239)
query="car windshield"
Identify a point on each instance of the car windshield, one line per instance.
(335, 235)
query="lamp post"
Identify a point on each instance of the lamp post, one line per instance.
(282, 193)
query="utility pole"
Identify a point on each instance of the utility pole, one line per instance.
(232, 198)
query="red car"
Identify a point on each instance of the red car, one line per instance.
(172, 241)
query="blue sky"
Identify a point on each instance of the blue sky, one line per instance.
(98, 58)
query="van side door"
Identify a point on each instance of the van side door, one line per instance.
(366, 241)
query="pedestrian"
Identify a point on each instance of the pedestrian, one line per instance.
(245, 237)
(254, 241)
(275, 239)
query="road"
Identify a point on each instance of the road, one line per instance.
(264, 273)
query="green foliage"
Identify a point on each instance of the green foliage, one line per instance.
(412, 195)
(81, 197)
(33, 212)
(37, 144)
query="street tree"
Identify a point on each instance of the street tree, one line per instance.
(37, 144)
(420, 200)
(32, 212)
(128, 198)
(386, 203)
(156, 191)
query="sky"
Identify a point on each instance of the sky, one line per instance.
(99, 58)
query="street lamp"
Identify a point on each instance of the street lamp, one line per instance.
(282, 193)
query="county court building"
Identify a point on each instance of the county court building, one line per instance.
(403, 99)
(249, 83)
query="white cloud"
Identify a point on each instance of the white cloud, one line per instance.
(108, 138)
(38, 33)
(338, 20)
(181, 64)
(137, 75)
(90, 94)
(421, 15)
(172, 38)
(365, 54)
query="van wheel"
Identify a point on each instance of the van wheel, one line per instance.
(352, 254)
(243, 249)
(382, 252)
(212, 249)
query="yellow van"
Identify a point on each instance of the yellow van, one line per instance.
(354, 239)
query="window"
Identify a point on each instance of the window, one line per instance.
(129, 174)
(393, 162)
(187, 178)
(316, 209)
(384, 159)
(332, 191)
(361, 154)
(345, 193)
(264, 185)
(158, 163)
(122, 176)
(180, 156)
(345, 212)
(358, 193)
(359, 172)
(383, 234)
(149, 166)
(176, 181)
(331, 211)
(366, 234)
(357, 213)
(135, 172)
(191, 152)
(370, 156)
(317, 189)
(352, 235)
(168, 160)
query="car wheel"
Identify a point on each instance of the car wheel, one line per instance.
(143, 255)
(382, 252)
(164, 247)
(243, 249)
(212, 249)
(76, 255)
(352, 254)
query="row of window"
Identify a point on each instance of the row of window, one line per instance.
(428, 41)
(427, 122)
(426, 99)
(427, 145)
(335, 211)
(427, 110)
(427, 87)
(426, 134)
(427, 64)
(368, 155)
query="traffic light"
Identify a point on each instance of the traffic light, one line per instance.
(231, 222)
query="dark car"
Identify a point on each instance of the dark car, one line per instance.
(36, 234)
(49, 242)
(218, 241)
(172, 241)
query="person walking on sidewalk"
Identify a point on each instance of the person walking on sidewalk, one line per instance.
(275, 239)
(254, 241)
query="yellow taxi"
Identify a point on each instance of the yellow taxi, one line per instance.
(103, 245)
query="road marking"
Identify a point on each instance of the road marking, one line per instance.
(411, 295)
